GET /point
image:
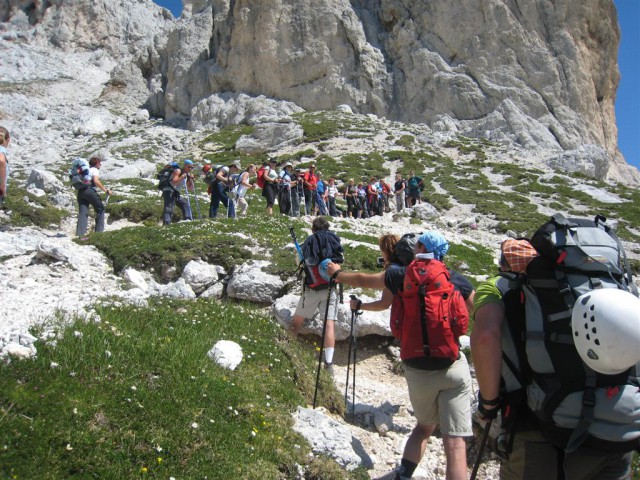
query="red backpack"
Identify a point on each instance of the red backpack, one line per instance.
(429, 314)
(260, 180)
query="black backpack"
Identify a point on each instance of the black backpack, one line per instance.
(164, 176)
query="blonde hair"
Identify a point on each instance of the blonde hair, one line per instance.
(251, 165)
(4, 136)
(387, 244)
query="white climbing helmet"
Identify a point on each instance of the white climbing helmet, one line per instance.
(606, 329)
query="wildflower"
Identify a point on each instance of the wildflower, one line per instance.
(159, 460)
(72, 374)
(194, 425)
(253, 433)
(77, 334)
(158, 448)
(134, 388)
(144, 470)
(54, 365)
(69, 447)
(107, 353)
(75, 411)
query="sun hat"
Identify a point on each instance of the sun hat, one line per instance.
(235, 163)
(188, 162)
(434, 243)
(518, 254)
(288, 164)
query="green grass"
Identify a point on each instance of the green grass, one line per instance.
(135, 396)
(325, 125)
(39, 211)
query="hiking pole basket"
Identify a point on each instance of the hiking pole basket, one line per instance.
(483, 444)
(324, 332)
(352, 347)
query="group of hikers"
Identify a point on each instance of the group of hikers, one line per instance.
(297, 192)
(555, 345)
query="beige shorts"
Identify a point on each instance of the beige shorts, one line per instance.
(442, 397)
(314, 300)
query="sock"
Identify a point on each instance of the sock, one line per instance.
(328, 354)
(406, 469)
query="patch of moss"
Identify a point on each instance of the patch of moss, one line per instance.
(39, 211)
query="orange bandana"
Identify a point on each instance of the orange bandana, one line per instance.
(518, 254)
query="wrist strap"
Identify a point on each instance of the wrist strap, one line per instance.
(335, 274)
(490, 403)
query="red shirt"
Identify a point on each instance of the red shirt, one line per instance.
(312, 179)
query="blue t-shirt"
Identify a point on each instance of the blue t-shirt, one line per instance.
(320, 187)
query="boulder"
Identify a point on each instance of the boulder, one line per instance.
(199, 275)
(249, 282)
(369, 323)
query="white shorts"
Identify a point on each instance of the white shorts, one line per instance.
(313, 300)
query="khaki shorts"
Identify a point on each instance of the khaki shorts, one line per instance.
(442, 397)
(534, 457)
(314, 300)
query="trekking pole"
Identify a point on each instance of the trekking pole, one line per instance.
(195, 194)
(324, 332)
(352, 345)
(186, 191)
(483, 443)
(106, 200)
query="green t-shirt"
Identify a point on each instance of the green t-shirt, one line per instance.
(486, 293)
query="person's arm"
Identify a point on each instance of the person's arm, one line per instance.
(3, 174)
(244, 180)
(98, 183)
(486, 349)
(356, 279)
(177, 177)
(469, 301)
(377, 306)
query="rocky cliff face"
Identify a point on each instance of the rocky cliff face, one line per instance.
(538, 73)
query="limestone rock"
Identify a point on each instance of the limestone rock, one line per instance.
(327, 437)
(199, 275)
(250, 282)
(226, 353)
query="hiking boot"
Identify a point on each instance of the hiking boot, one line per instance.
(329, 368)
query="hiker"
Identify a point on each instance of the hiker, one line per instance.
(296, 192)
(386, 193)
(321, 196)
(415, 185)
(372, 196)
(221, 187)
(529, 447)
(5, 138)
(363, 211)
(89, 196)
(310, 182)
(351, 195)
(284, 189)
(270, 189)
(321, 245)
(332, 193)
(439, 388)
(398, 189)
(180, 180)
(242, 188)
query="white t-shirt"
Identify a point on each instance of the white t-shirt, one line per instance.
(241, 190)
(332, 191)
(94, 172)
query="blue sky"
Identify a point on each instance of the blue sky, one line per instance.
(628, 97)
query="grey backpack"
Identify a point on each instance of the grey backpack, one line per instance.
(543, 373)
